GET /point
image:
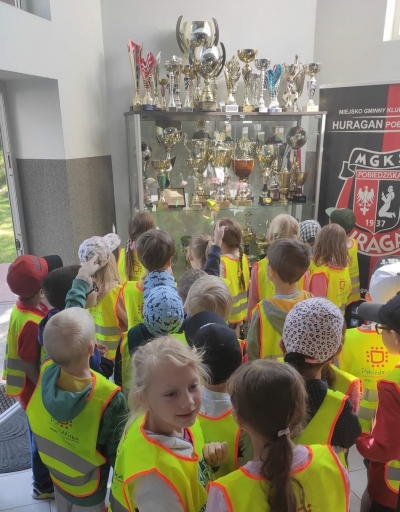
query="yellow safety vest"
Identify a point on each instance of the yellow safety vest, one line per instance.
(354, 272)
(181, 474)
(69, 449)
(365, 356)
(132, 293)
(138, 270)
(13, 371)
(323, 480)
(232, 273)
(106, 322)
(392, 468)
(339, 284)
(345, 382)
(269, 337)
(222, 429)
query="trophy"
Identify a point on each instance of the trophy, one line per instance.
(274, 79)
(147, 68)
(156, 81)
(196, 33)
(163, 82)
(146, 155)
(311, 71)
(247, 233)
(161, 167)
(174, 68)
(280, 150)
(190, 74)
(197, 162)
(168, 137)
(262, 65)
(243, 165)
(296, 138)
(209, 62)
(220, 157)
(284, 184)
(294, 75)
(262, 244)
(266, 155)
(135, 54)
(254, 86)
(184, 248)
(232, 75)
(247, 56)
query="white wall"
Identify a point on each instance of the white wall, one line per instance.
(277, 29)
(69, 48)
(349, 42)
(36, 118)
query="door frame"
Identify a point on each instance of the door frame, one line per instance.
(10, 161)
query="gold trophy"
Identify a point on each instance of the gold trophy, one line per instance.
(247, 233)
(247, 56)
(311, 71)
(220, 157)
(261, 244)
(284, 185)
(266, 155)
(161, 166)
(184, 248)
(168, 137)
(232, 75)
(294, 75)
(243, 165)
(197, 162)
(163, 82)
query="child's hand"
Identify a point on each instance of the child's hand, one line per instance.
(219, 233)
(215, 454)
(102, 349)
(88, 269)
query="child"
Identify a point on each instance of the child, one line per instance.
(282, 226)
(77, 416)
(22, 359)
(329, 269)
(205, 255)
(186, 281)
(235, 268)
(109, 313)
(129, 267)
(309, 229)
(155, 249)
(346, 218)
(312, 336)
(288, 259)
(160, 463)
(222, 356)
(269, 402)
(382, 446)
(364, 354)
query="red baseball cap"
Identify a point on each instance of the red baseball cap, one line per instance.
(25, 275)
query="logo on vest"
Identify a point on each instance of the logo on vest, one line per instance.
(61, 429)
(342, 284)
(377, 357)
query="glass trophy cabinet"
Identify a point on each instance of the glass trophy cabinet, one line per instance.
(192, 168)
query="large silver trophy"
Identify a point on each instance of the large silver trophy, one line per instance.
(296, 139)
(195, 34)
(262, 65)
(146, 155)
(209, 62)
(311, 70)
(174, 69)
(294, 75)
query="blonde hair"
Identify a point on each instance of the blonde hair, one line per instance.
(283, 226)
(138, 224)
(331, 246)
(148, 358)
(200, 246)
(233, 239)
(209, 293)
(68, 336)
(107, 275)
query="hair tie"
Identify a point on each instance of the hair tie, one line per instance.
(285, 432)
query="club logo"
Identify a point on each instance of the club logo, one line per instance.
(372, 191)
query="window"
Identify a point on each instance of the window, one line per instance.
(392, 21)
(39, 8)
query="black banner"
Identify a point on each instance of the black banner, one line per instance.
(361, 167)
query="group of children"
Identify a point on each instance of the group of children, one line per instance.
(134, 371)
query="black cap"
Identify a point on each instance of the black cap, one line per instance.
(221, 351)
(386, 314)
(53, 262)
(194, 323)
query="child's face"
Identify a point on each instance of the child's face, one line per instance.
(391, 340)
(173, 397)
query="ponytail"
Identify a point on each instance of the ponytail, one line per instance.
(130, 247)
(138, 224)
(242, 284)
(200, 246)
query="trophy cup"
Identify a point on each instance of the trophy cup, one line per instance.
(163, 82)
(190, 74)
(184, 248)
(247, 56)
(156, 81)
(168, 137)
(232, 75)
(173, 67)
(284, 184)
(147, 68)
(311, 71)
(294, 75)
(220, 157)
(261, 244)
(196, 33)
(274, 79)
(254, 89)
(243, 165)
(146, 155)
(197, 162)
(296, 139)
(262, 65)
(266, 154)
(161, 167)
(209, 62)
(247, 234)
(135, 53)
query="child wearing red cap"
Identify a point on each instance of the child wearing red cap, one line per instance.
(22, 359)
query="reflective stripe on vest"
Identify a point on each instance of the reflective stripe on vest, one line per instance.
(322, 479)
(106, 321)
(13, 370)
(219, 430)
(354, 272)
(392, 468)
(186, 476)
(339, 284)
(133, 300)
(69, 449)
(232, 272)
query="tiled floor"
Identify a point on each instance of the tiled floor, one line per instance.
(15, 489)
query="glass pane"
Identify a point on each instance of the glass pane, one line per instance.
(7, 238)
(10, 2)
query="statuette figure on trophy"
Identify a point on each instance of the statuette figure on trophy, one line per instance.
(247, 56)
(232, 75)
